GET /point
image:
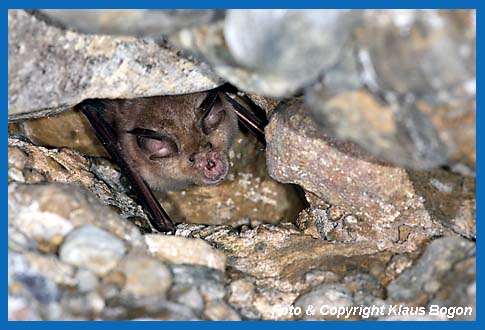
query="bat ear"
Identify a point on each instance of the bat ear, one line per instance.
(228, 103)
(255, 124)
(214, 116)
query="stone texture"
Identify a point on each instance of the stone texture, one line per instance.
(31, 164)
(68, 129)
(431, 56)
(327, 294)
(71, 206)
(140, 275)
(273, 265)
(52, 69)
(389, 205)
(251, 49)
(92, 248)
(430, 274)
(399, 134)
(421, 65)
(181, 250)
(137, 22)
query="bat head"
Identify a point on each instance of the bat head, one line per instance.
(175, 141)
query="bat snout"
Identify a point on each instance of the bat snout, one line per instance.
(213, 166)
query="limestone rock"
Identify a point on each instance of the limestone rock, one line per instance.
(31, 164)
(424, 278)
(417, 68)
(387, 203)
(137, 22)
(140, 275)
(180, 250)
(399, 134)
(52, 69)
(272, 52)
(92, 248)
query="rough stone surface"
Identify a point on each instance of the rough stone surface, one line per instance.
(327, 294)
(417, 68)
(389, 205)
(430, 274)
(185, 250)
(251, 48)
(442, 41)
(400, 134)
(92, 248)
(137, 22)
(68, 129)
(71, 206)
(51, 69)
(141, 275)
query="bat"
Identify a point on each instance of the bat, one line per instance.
(171, 142)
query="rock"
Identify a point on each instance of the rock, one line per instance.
(380, 197)
(181, 250)
(43, 294)
(43, 165)
(397, 133)
(276, 264)
(449, 198)
(92, 248)
(242, 293)
(458, 288)
(32, 291)
(455, 123)
(444, 43)
(220, 312)
(86, 280)
(272, 63)
(68, 129)
(268, 104)
(247, 250)
(70, 203)
(417, 114)
(430, 274)
(47, 266)
(47, 229)
(42, 289)
(99, 67)
(208, 281)
(141, 276)
(209, 286)
(18, 241)
(189, 297)
(328, 295)
(151, 308)
(137, 22)
(88, 305)
(22, 309)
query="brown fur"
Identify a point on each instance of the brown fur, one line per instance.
(178, 117)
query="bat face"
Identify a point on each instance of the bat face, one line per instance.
(175, 141)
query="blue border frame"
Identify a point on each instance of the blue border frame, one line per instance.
(456, 4)
(445, 4)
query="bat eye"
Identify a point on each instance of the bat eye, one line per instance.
(213, 119)
(157, 148)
